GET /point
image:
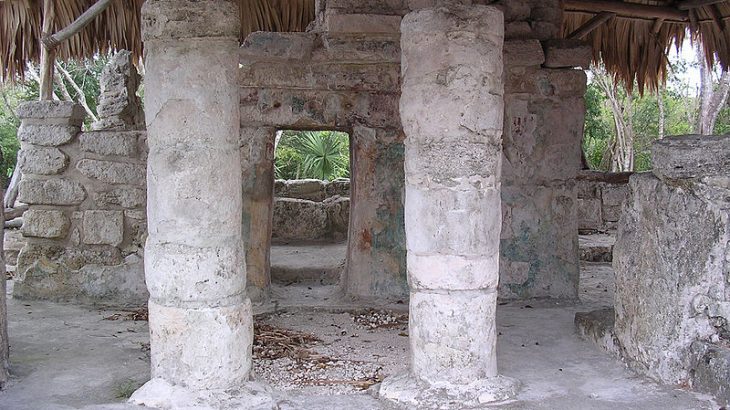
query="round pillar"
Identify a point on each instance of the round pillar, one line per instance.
(201, 324)
(452, 112)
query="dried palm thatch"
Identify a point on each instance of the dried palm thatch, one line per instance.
(117, 27)
(634, 49)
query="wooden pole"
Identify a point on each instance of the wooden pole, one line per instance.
(591, 25)
(626, 9)
(85, 18)
(48, 55)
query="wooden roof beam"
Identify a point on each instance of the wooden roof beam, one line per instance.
(592, 24)
(693, 4)
(627, 9)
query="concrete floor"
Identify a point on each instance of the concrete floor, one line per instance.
(70, 357)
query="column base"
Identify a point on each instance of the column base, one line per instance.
(159, 394)
(407, 390)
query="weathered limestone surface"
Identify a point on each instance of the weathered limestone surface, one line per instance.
(543, 127)
(672, 255)
(86, 224)
(194, 257)
(452, 110)
(600, 200)
(119, 106)
(343, 81)
(310, 209)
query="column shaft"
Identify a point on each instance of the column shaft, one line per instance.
(452, 112)
(200, 317)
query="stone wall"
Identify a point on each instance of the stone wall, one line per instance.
(543, 127)
(672, 261)
(311, 210)
(345, 75)
(600, 199)
(85, 227)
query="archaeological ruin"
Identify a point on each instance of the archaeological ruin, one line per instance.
(474, 259)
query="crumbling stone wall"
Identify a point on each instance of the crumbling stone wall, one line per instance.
(672, 260)
(86, 224)
(543, 127)
(345, 75)
(311, 210)
(600, 199)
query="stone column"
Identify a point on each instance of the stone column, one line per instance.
(452, 110)
(201, 324)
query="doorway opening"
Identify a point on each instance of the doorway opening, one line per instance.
(311, 207)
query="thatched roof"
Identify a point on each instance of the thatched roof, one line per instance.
(635, 43)
(118, 27)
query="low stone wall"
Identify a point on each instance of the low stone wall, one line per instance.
(311, 210)
(311, 189)
(86, 225)
(671, 260)
(600, 198)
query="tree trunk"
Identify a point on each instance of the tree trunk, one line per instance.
(662, 112)
(48, 54)
(712, 97)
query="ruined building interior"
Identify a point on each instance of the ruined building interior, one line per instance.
(446, 273)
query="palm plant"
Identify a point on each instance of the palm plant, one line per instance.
(325, 155)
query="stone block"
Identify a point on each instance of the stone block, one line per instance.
(361, 23)
(47, 135)
(399, 7)
(514, 10)
(442, 349)
(45, 224)
(711, 365)
(543, 30)
(452, 273)
(691, 156)
(434, 214)
(337, 76)
(307, 189)
(539, 229)
(338, 217)
(562, 53)
(123, 144)
(52, 113)
(103, 227)
(670, 260)
(55, 191)
(186, 265)
(113, 172)
(42, 161)
(298, 108)
(517, 30)
(523, 53)
(364, 48)
(265, 45)
(125, 197)
(338, 187)
(181, 19)
(590, 216)
(310, 217)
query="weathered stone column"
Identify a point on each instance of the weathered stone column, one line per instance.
(201, 325)
(452, 109)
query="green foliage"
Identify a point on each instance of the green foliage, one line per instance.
(320, 155)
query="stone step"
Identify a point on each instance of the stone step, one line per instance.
(320, 262)
(596, 247)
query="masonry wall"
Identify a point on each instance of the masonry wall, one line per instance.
(311, 210)
(85, 228)
(346, 79)
(600, 198)
(345, 75)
